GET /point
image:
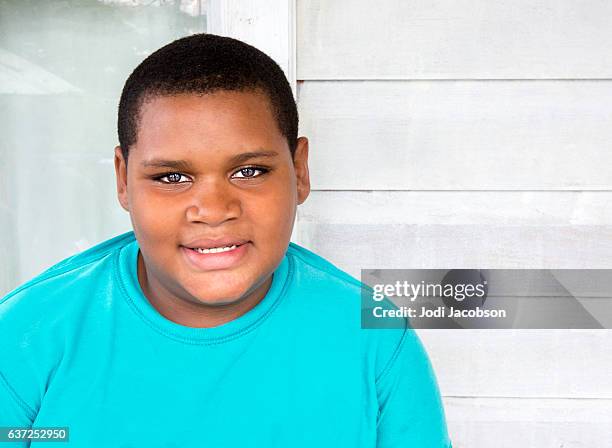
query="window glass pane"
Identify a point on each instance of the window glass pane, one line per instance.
(62, 68)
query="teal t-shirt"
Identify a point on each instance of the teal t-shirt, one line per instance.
(81, 347)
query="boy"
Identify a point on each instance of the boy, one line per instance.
(205, 327)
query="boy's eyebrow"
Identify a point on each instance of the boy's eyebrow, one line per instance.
(243, 157)
(185, 165)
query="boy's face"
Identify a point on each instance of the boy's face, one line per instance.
(207, 171)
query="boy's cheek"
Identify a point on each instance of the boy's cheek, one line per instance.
(155, 224)
(274, 208)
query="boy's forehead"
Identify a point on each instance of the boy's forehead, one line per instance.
(181, 126)
(192, 111)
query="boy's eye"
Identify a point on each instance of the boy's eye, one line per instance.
(249, 172)
(172, 178)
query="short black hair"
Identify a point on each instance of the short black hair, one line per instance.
(200, 64)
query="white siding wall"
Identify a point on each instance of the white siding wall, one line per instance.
(470, 133)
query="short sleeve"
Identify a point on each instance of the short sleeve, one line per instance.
(14, 412)
(411, 414)
(20, 342)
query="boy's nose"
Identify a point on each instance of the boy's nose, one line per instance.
(213, 204)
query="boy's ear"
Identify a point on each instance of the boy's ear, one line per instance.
(300, 163)
(121, 175)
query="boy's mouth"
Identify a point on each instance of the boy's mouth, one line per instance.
(214, 250)
(209, 244)
(207, 254)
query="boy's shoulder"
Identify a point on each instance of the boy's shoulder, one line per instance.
(315, 271)
(67, 276)
(88, 256)
(324, 286)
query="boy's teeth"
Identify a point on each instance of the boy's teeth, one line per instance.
(215, 250)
